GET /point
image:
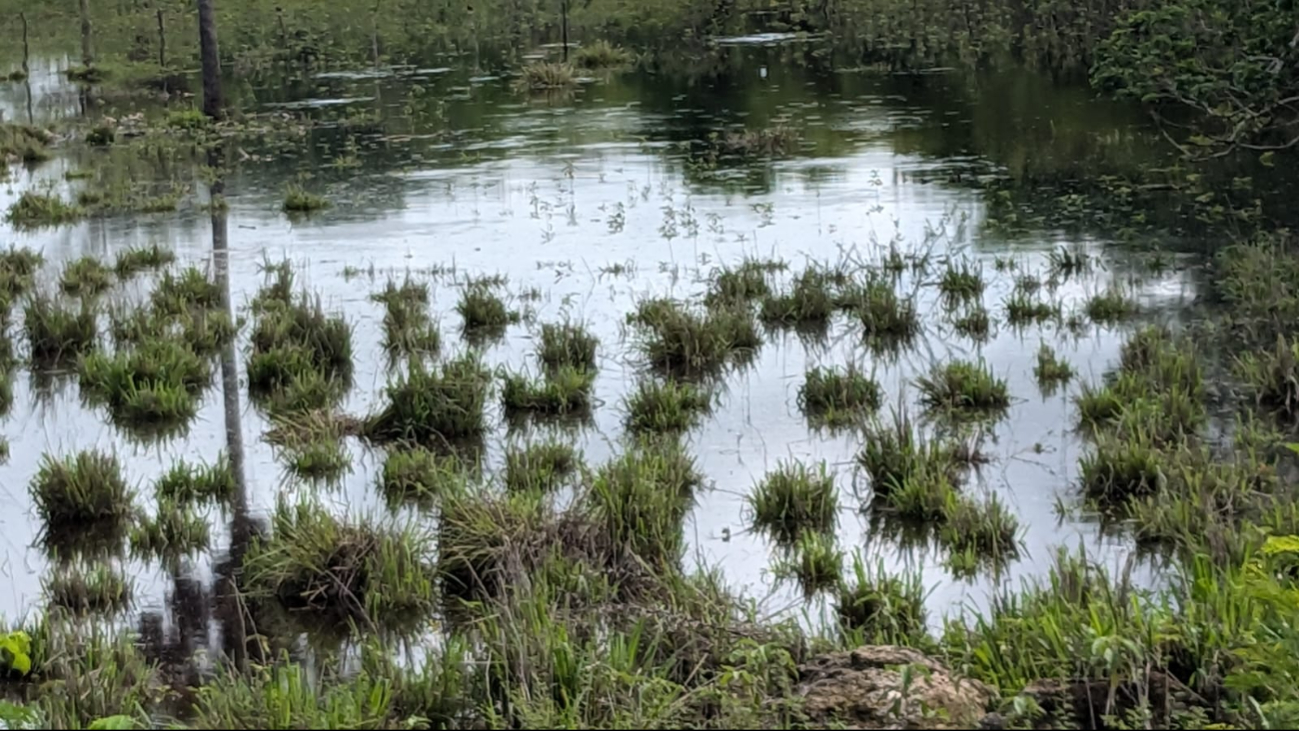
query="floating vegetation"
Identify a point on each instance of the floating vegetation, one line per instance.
(565, 390)
(434, 405)
(539, 467)
(795, 498)
(98, 590)
(838, 397)
(84, 489)
(85, 276)
(814, 561)
(1110, 306)
(544, 75)
(1050, 371)
(962, 385)
(679, 340)
(567, 345)
(602, 54)
(961, 281)
(1025, 309)
(298, 200)
(666, 406)
(39, 209)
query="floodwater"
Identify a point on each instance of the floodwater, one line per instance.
(589, 201)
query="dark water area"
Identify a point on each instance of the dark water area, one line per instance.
(587, 201)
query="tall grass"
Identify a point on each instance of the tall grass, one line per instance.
(434, 405)
(679, 340)
(838, 396)
(795, 498)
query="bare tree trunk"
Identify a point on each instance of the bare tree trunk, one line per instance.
(27, 71)
(162, 42)
(207, 41)
(87, 57)
(563, 16)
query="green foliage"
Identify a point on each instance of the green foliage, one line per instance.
(838, 397)
(567, 344)
(793, 499)
(15, 653)
(298, 200)
(87, 487)
(539, 467)
(434, 405)
(602, 55)
(565, 390)
(85, 276)
(666, 406)
(963, 386)
(418, 475)
(34, 209)
(681, 341)
(881, 608)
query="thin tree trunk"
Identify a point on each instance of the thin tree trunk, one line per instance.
(563, 16)
(87, 56)
(207, 40)
(27, 71)
(162, 42)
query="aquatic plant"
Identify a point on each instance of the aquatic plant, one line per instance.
(1050, 370)
(85, 488)
(883, 314)
(1273, 376)
(961, 385)
(1110, 306)
(838, 396)
(97, 590)
(974, 323)
(809, 300)
(320, 459)
(177, 295)
(986, 529)
(567, 344)
(34, 209)
(666, 406)
(565, 390)
(925, 494)
(539, 467)
(85, 276)
(138, 259)
(814, 561)
(176, 530)
(773, 141)
(298, 200)
(601, 54)
(679, 340)
(434, 405)
(739, 284)
(482, 311)
(56, 334)
(795, 498)
(961, 281)
(894, 452)
(543, 75)
(1024, 309)
(418, 475)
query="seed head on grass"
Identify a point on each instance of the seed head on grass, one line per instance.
(567, 344)
(56, 335)
(1050, 371)
(419, 475)
(961, 281)
(678, 340)
(133, 261)
(810, 300)
(98, 590)
(666, 406)
(795, 498)
(188, 483)
(539, 467)
(85, 276)
(838, 397)
(346, 569)
(963, 386)
(883, 609)
(814, 561)
(482, 311)
(565, 390)
(1110, 306)
(177, 530)
(86, 488)
(436, 405)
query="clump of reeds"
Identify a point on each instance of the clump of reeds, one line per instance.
(883, 313)
(84, 489)
(879, 608)
(544, 75)
(567, 345)
(156, 382)
(740, 284)
(407, 327)
(962, 385)
(666, 406)
(418, 475)
(975, 323)
(483, 313)
(135, 260)
(679, 340)
(301, 356)
(98, 590)
(298, 200)
(1024, 309)
(539, 467)
(837, 397)
(961, 281)
(176, 530)
(810, 300)
(85, 276)
(320, 459)
(435, 405)
(564, 390)
(56, 335)
(795, 498)
(895, 452)
(602, 54)
(814, 561)
(1110, 306)
(1050, 371)
(33, 209)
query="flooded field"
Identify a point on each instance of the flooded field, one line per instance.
(581, 205)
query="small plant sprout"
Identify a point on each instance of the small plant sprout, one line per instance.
(795, 498)
(838, 397)
(666, 406)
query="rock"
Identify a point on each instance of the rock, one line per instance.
(865, 689)
(1084, 703)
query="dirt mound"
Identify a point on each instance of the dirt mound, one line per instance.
(883, 686)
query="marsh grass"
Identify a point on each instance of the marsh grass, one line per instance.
(961, 281)
(985, 529)
(540, 467)
(565, 390)
(1272, 376)
(1025, 309)
(1050, 371)
(161, 366)
(320, 459)
(602, 54)
(894, 452)
(434, 405)
(419, 475)
(139, 259)
(975, 323)
(809, 300)
(181, 294)
(175, 531)
(795, 498)
(775, 141)
(666, 406)
(33, 210)
(1110, 306)
(1119, 469)
(349, 569)
(879, 608)
(1065, 262)
(678, 340)
(963, 386)
(740, 284)
(567, 344)
(640, 500)
(814, 561)
(97, 590)
(407, 327)
(299, 346)
(86, 276)
(187, 483)
(924, 496)
(482, 312)
(297, 200)
(18, 267)
(56, 335)
(838, 396)
(546, 75)
(86, 488)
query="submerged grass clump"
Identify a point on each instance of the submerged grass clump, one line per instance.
(298, 200)
(301, 357)
(156, 382)
(320, 459)
(666, 406)
(98, 590)
(1120, 469)
(565, 390)
(924, 495)
(1025, 309)
(176, 530)
(567, 345)
(1110, 306)
(187, 483)
(435, 405)
(763, 142)
(86, 488)
(178, 295)
(56, 335)
(418, 475)
(976, 323)
(1068, 262)
(838, 397)
(543, 75)
(879, 608)
(482, 312)
(676, 339)
(814, 561)
(883, 313)
(640, 500)
(539, 467)
(986, 529)
(961, 281)
(1050, 370)
(343, 568)
(739, 285)
(85, 276)
(133, 261)
(1273, 376)
(795, 498)
(961, 385)
(407, 327)
(895, 452)
(810, 300)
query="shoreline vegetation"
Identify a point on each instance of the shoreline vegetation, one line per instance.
(515, 608)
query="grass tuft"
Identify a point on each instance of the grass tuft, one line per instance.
(1025, 309)
(320, 459)
(34, 209)
(57, 335)
(176, 531)
(133, 261)
(961, 281)
(795, 498)
(1110, 306)
(99, 590)
(566, 390)
(1050, 371)
(86, 488)
(418, 475)
(436, 405)
(837, 397)
(975, 324)
(482, 312)
(814, 561)
(810, 300)
(567, 344)
(984, 529)
(85, 276)
(187, 484)
(961, 385)
(894, 453)
(666, 406)
(539, 467)
(739, 285)
(881, 609)
(681, 341)
(542, 75)
(602, 55)
(298, 200)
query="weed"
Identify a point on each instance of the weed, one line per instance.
(795, 498)
(34, 209)
(298, 343)
(298, 200)
(418, 475)
(322, 459)
(483, 312)
(1119, 469)
(838, 397)
(1024, 309)
(976, 323)
(567, 344)
(407, 327)
(133, 261)
(539, 467)
(880, 608)
(961, 281)
(602, 55)
(86, 488)
(19, 265)
(565, 390)
(883, 314)
(177, 295)
(986, 529)
(1027, 284)
(86, 276)
(774, 141)
(155, 383)
(1273, 376)
(101, 135)
(56, 334)
(666, 406)
(962, 385)
(925, 495)
(1110, 306)
(358, 570)
(176, 531)
(813, 561)
(542, 75)
(1050, 371)
(101, 590)
(894, 453)
(640, 499)
(811, 300)
(737, 285)
(681, 341)
(1065, 262)
(185, 483)
(434, 406)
